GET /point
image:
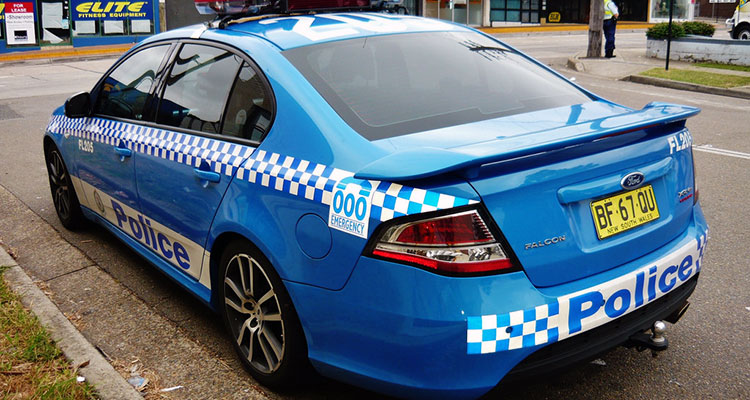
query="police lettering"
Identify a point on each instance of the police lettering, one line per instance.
(141, 229)
(588, 304)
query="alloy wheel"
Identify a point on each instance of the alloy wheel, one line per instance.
(254, 314)
(60, 185)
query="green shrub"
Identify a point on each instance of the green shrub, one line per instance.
(660, 30)
(698, 28)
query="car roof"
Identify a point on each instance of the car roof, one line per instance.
(291, 31)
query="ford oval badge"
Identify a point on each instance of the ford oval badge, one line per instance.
(632, 180)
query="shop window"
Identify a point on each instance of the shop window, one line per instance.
(197, 88)
(113, 27)
(85, 28)
(141, 26)
(497, 15)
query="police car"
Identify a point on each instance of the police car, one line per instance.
(401, 203)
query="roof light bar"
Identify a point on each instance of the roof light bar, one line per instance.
(251, 7)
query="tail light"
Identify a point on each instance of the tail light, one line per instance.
(455, 244)
(695, 179)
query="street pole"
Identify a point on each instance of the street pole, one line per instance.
(669, 32)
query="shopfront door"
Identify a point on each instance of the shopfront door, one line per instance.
(468, 12)
(54, 22)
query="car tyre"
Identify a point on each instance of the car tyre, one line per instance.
(260, 317)
(744, 33)
(64, 196)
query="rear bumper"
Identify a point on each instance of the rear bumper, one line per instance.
(409, 333)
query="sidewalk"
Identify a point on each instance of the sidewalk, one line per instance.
(67, 52)
(628, 63)
(92, 316)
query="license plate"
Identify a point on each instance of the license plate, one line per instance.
(624, 211)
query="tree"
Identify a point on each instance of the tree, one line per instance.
(596, 19)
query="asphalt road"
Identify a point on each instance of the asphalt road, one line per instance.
(709, 355)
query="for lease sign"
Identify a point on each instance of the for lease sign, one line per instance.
(19, 23)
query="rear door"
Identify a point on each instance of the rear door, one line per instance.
(212, 112)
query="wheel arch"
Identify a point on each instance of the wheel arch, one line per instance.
(47, 142)
(217, 250)
(218, 247)
(737, 29)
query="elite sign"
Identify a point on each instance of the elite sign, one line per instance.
(112, 10)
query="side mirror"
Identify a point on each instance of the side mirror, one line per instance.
(78, 105)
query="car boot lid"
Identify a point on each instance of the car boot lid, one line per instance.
(417, 157)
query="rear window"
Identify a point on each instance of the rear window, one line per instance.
(387, 86)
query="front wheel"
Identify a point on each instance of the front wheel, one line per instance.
(260, 317)
(63, 194)
(743, 33)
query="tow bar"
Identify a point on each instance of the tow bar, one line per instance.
(656, 341)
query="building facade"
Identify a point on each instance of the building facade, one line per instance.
(36, 24)
(509, 12)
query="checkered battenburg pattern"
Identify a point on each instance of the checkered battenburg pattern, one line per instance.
(291, 175)
(297, 177)
(223, 157)
(392, 200)
(515, 330)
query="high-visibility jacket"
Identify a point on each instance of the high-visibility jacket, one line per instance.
(608, 13)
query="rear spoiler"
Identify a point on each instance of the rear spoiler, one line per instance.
(430, 161)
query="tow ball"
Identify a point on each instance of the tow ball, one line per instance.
(656, 341)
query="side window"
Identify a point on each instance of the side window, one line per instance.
(126, 90)
(197, 88)
(248, 112)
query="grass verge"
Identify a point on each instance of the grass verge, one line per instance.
(31, 366)
(744, 68)
(699, 77)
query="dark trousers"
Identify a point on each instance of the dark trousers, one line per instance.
(609, 35)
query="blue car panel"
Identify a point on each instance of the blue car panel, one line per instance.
(431, 263)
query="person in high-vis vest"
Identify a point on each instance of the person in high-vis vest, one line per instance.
(611, 13)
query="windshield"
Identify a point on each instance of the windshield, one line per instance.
(386, 86)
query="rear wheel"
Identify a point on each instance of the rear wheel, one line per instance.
(63, 194)
(260, 317)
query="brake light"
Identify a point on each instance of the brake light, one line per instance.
(457, 244)
(695, 179)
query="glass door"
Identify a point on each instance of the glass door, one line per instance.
(54, 17)
(468, 12)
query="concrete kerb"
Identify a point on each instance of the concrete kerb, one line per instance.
(688, 86)
(99, 373)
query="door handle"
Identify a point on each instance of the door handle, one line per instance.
(207, 176)
(123, 152)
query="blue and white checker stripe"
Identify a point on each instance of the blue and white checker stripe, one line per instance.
(291, 175)
(392, 200)
(515, 330)
(224, 157)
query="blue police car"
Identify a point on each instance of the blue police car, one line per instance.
(397, 202)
